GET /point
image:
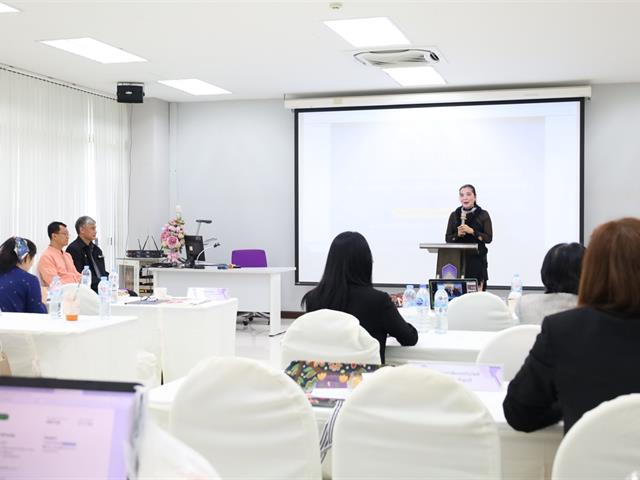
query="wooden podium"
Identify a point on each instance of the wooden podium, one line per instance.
(453, 253)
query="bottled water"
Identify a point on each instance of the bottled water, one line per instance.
(104, 292)
(86, 276)
(515, 293)
(441, 305)
(422, 306)
(55, 298)
(409, 297)
(113, 281)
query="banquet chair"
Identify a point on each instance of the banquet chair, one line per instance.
(89, 300)
(247, 419)
(250, 258)
(509, 348)
(480, 311)
(330, 336)
(411, 422)
(604, 443)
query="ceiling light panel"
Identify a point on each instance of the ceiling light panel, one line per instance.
(415, 76)
(94, 50)
(368, 32)
(194, 86)
(4, 8)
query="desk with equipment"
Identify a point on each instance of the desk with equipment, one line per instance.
(257, 289)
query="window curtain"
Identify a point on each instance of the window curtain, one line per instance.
(63, 153)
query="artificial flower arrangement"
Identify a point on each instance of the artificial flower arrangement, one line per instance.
(172, 237)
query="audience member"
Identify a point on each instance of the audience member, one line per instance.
(560, 276)
(84, 251)
(54, 261)
(586, 356)
(346, 286)
(19, 290)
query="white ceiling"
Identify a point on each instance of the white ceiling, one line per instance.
(265, 49)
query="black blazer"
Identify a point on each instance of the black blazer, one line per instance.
(581, 358)
(81, 252)
(480, 221)
(377, 315)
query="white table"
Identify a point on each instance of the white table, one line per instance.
(257, 289)
(453, 346)
(183, 333)
(524, 455)
(89, 348)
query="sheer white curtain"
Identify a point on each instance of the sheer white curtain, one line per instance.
(63, 153)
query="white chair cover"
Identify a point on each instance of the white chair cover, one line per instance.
(162, 456)
(481, 311)
(331, 336)
(604, 443)
(248, 420)
(509, 348)
(89, 301)
(410, 422)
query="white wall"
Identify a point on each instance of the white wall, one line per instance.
(234, 164)
(149, 198)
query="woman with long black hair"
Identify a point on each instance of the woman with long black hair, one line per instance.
(346, 286)
(19, 290)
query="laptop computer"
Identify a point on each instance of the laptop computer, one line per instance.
(454, 287)
(72, 429)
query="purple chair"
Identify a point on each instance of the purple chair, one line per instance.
(249, 259)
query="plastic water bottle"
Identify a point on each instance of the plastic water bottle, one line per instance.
(113, 281)
(86, 276)
(441, 305)
(55, 298)
(515, 293)
(422, 306)
(104, 292)
(409, 297)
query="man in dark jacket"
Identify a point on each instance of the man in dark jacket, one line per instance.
(84, 251)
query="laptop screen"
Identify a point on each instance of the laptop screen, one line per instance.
(65, 428)
(454, 287)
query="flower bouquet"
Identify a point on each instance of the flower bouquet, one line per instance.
(172, 239)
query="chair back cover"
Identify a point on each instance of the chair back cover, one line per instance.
(480, 311)
(509, 348)
(331, 336)
(604, 443)
(248, 420)
(89, 300)
(249, 258)
(410, 422)
(163, 456)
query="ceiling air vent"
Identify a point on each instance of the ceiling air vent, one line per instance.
(397, 58)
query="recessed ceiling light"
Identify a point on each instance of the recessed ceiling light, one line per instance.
(194, 86)
(94, 50)
(368, 32)
(4, 8)
(415, 76)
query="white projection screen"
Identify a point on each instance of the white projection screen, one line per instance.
(393, 174)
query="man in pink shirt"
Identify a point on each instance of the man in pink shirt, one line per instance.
(55, 261)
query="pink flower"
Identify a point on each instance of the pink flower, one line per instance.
(172, 241)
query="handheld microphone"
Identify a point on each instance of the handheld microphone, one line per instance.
(463, 217)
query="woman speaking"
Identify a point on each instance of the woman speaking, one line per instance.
(471, 224)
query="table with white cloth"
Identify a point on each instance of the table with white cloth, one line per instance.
(453, 346)
(89, 348)
(181, 332)
(257, 289)
(523, 455)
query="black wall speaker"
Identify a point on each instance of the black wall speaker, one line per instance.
(128, 92)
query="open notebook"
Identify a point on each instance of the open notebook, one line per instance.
(71, 429)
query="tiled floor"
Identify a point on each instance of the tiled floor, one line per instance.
(253, 341)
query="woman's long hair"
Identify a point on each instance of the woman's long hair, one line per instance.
(349, 262)
(611, 268)
(8, 256)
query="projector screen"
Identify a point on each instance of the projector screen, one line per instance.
(393, 174)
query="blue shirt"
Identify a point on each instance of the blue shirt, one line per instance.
(20, 292)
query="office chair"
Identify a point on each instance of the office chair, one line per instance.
(250, 258)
